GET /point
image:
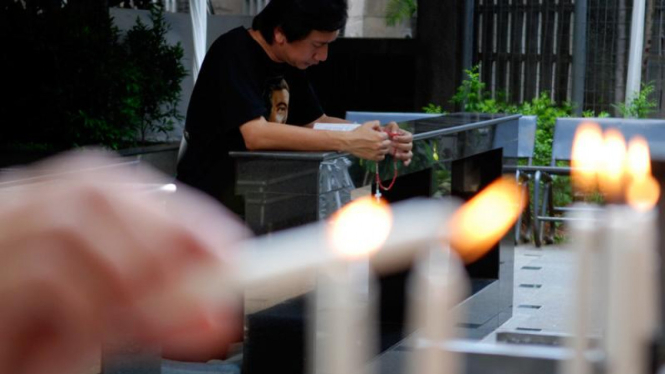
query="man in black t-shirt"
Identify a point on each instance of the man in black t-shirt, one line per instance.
(228, 110)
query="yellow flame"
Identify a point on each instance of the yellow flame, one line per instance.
(485, 219)
(638, 158)
(587, 147)
(643, 190)
(643, 193)
(613, 172)
(361, 227)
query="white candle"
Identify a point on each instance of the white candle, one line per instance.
(585, 240)
(633, 295)
(437, 286)
(288, 256)
(645, 271)
(343, 334)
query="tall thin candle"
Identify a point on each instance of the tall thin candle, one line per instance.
(437, 286)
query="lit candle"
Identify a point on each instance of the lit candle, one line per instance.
(622, 332)
(437, 286)
(343, 333)
(291, 256)
(585, 239)
(612, 172)
(633, 299)
(586, 157)
(483, 220)
(438, 283)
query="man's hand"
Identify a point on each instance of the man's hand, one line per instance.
(401, 143)
(368, 142)
(83, 253)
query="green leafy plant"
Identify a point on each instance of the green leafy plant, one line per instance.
(154, 73)
(400, 10)
(641, 105)
(592, 114)
(473, 97)
(471, 92)
(433, 109)
(547, 111)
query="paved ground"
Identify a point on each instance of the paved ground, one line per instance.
(544, 290)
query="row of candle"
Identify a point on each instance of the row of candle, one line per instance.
(617, 240)
(363, 237)
(368, 231)
(616, 248)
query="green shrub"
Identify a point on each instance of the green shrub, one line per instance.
(641, 105)
(592, 114)
(154, 73)
(433, 109)
(472, 91)
(471, 95)
(400, 10)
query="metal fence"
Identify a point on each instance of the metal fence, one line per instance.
(524, 48)
(608, 31)
(654, 67)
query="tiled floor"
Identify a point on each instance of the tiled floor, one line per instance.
(544, 290)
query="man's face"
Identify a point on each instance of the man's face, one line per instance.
(280, 106)
(306, 52)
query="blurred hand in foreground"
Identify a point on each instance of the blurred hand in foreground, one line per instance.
(86, 248)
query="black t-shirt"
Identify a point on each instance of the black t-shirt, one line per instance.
(231, 90)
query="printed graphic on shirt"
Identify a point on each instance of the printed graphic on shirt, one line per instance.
(277, 95)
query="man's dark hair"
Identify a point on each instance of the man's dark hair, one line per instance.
(298, 18)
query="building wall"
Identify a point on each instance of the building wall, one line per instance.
(228, 7)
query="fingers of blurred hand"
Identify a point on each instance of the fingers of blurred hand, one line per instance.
(375, 125)
(205, 337)
(403, 137)
(405, 157)
(402, 147)
(393, 127)
(44, 323)
(114, 244)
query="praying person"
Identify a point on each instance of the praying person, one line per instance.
(227, 111)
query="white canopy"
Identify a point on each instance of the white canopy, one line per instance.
(199, 12)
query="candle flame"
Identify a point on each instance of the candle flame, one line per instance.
(587, 147)
(638, 158)
(361, 227)
(612, 167)
(643, 190)
(642, 194)
(485, 219)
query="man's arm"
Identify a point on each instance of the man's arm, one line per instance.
(367, 141)
(401, 140)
